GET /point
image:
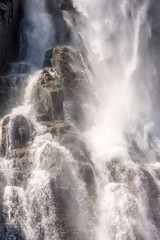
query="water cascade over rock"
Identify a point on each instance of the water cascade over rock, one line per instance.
(79, 138)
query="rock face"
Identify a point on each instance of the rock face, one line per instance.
(71, 66)
(10, 14)
(16, 133)
(71, 69)
(63, 31)
(50, 97)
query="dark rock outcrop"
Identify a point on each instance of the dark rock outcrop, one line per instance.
(16, 133)
(50, 97)
(70, 65)
(9, 30)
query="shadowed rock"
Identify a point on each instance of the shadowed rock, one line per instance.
(16, 132)
(49, 100)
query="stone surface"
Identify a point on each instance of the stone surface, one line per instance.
(9, 32)
(49, 100)
(71, 66)
(16, 133)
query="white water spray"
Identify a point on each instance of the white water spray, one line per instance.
(117, 37)
(124, 150)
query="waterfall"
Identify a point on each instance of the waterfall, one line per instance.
(124, 140)
(37, 31)
(79, 138)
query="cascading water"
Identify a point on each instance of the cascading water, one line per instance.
(45, 186)
(31, 205)
(37, 31)
(119, 41)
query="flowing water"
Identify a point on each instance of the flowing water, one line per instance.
(123, 140)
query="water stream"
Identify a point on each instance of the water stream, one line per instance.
(123, 140)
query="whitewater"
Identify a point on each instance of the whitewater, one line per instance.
(123, 137)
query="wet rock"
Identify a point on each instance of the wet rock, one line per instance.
(78, 114)
(21, 132)
(139, 181)
(16, 132)
(49, 100)
(9, 30)
(70, 66)
(21, 166)
(68, 136)
(63, 31)
(66, 188)
(67, 5)
(87, 174)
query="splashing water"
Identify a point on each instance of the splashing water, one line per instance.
(125, 151)
(123, 141)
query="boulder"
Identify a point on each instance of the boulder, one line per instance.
(16, 133)
(49, 97)
(71, 67)
(68, 136)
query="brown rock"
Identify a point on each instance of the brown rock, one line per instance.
(49, 101)
(70, 66)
